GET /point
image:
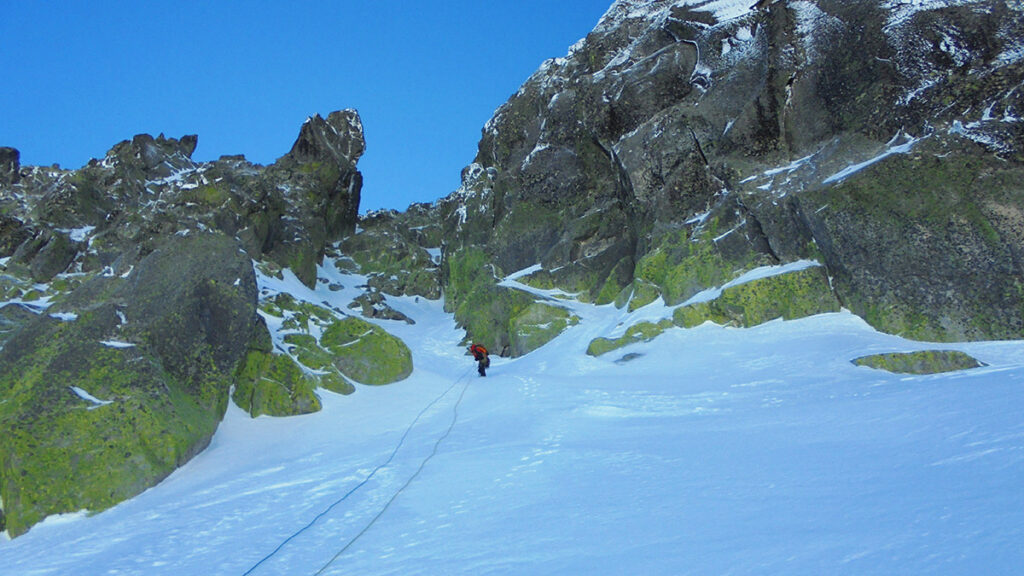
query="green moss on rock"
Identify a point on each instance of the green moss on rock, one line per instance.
(920, 244)
(698, 313)
(479, 304)
(789, 296)
(681, 265)
(308, 352)
(366, 353)
(272, 384)
(62, 453)
(537, 325)
(643, 293)
(190, 312)
(641, 332)
(920, 362)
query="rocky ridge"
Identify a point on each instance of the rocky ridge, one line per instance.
(683, 143)
(130, 308)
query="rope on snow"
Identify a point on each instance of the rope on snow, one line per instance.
(297, 533)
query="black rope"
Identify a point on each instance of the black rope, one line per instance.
(455, 417)
(368, 478)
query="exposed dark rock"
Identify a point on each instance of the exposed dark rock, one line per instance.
(155, 157)
(10, 165)
(372, 304)
(46, 254)
(394, 250)
(13, 233)
(338, 139)
(665, 123)
(126, 375)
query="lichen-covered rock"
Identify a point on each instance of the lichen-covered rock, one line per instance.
(13, 233)
(925, 245)
(106, 401)
(718, 248)
(789, 296)
(537, 325)
(640, 332)
(639, 294)
(152, 305)
(45, 254)
(372, 304)
(147, 188)
(366, 353)
(319, 363)
(272, 384)
(479, 304)
(392, 250)
(682, 147)
(299, 321)
(12, 317)
(920, 362)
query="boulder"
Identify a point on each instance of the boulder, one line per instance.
(272, 384)
(537, 325)
(366, 353)
(106, 403)
(920, 362)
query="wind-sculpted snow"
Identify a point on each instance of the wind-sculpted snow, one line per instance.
(713, 450)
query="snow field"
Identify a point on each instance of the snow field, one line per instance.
(712, 451)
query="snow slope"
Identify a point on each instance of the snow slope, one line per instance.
(711, 451)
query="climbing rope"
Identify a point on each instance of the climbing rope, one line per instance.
(391, 457)
(455, 417)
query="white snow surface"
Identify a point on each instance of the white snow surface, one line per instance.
(117, 344)
(714, 451)
(81, 393)
(900, 144)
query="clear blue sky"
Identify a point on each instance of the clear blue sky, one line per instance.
(78, 77)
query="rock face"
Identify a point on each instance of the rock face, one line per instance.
(131, 307)
(124, 380)
(10, 165)
(682, 143)
(399, 252)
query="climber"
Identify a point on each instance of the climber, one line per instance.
(482, 360)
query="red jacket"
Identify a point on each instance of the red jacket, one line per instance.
(479, 352)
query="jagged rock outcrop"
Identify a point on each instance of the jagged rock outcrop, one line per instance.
(130, 307)
(682, 143)
(398, 252)
(146, 188)
(10, 165)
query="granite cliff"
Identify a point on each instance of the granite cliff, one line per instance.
(683, 143)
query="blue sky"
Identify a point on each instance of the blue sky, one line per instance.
(78, 77)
